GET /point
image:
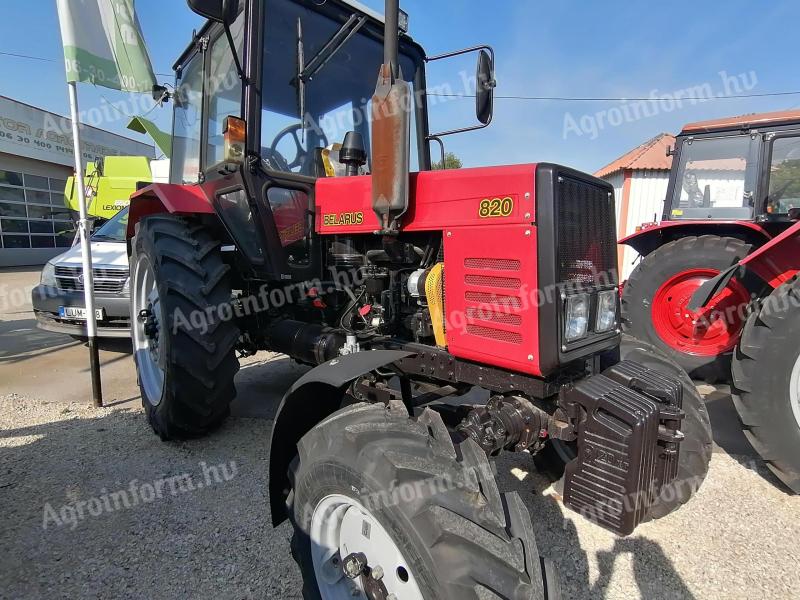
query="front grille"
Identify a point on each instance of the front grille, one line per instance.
(106, 280)
(586, 235)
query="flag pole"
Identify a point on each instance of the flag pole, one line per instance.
(86, 250)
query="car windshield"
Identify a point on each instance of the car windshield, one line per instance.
(336, 97)
(114, 229)
(715, 178)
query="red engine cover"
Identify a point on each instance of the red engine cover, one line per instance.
(490, 252)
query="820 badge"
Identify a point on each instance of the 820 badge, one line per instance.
(496, 207)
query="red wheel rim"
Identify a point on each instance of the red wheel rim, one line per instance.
(712, 330)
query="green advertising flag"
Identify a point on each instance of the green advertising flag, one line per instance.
(103, 44)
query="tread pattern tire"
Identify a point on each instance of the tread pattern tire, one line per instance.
(463, 541)
(200, 361)
(762, 368)
(656, 268)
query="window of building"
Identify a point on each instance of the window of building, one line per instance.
(10, 178)
(32, 212)
(36, 182)
(12, 194)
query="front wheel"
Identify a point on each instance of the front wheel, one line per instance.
(182, 346)
(385, 506)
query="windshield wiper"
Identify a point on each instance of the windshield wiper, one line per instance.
(105, 238)
(329, 50)
(306, 72)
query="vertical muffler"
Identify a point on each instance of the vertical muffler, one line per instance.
(392, 105)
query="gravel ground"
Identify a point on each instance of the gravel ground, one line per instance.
(736, 539)
(213, 539)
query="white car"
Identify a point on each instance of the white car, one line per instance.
(58, 301)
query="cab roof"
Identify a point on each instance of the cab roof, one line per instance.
(751, 121)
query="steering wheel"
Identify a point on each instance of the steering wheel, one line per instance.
(301, 155)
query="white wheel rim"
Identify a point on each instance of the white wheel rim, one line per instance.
(342, 526)
(146, 350)
(794, 390)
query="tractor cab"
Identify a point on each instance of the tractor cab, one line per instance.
(737, 169)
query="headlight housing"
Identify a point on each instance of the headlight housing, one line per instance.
(606, 311)
(576, 321)
(49, 275)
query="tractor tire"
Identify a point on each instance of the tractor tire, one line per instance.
(695, 449)
(407, 496)
(655, 296)
(766, 382)
(183, 348)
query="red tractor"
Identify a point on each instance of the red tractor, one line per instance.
(408, 290)
(766, 362)
(734, 186)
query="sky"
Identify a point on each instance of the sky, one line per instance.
(675, 51)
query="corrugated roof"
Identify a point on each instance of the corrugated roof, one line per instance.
(745, 121)
(650, 155)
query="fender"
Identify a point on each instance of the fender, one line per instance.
(652, 238)
(776, 262)
(166, 198)
(313, 397)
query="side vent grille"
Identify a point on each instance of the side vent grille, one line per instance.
(494, 299)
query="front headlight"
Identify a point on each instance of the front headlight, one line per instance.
(577, 317)
(49, 275)
(606, 311)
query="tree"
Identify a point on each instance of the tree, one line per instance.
(451, 161)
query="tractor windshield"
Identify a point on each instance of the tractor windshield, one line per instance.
(715, 178)
(333, 100)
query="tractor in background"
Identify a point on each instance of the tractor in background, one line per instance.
(765, 369)
(406, 288)
(734, 186)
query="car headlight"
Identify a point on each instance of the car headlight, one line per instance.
(49, 275)
(577, 317)
(606, 311)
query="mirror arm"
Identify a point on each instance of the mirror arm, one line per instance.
(434, 138)
(489, 49)
(455, 131)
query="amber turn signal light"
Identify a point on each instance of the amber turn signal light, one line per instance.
(234, 134)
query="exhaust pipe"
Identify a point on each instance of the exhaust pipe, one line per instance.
(391, 130)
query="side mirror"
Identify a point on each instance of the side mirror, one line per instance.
(484, 94)
(221, 11)
(485, 84)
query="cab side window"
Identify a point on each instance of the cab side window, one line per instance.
(784, 176)
(224, 89)
(186, 125)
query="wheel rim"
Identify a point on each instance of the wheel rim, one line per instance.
(147, 320)
(707, 332)
(341, 527)
(794, 390)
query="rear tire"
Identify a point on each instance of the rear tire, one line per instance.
(186, 365)
(766, 382)
(459, 538)
(655, 295)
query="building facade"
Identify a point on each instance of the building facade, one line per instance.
(36, 157)
(640, 179)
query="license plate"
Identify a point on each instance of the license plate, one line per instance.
(78, 313)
